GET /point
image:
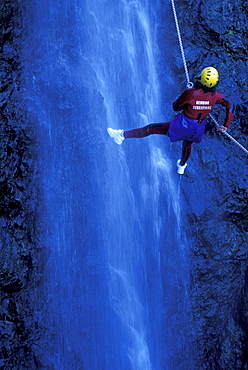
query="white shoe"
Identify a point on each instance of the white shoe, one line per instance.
(180, 169)
(117, 135)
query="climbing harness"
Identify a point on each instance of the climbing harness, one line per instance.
(189, 83)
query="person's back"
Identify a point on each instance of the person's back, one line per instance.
(197, 104)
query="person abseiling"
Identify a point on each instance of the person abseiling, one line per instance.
(189, 125)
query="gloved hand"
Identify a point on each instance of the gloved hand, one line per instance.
(222, 129)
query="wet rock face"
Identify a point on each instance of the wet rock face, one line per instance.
(215, 191)
(18, 257)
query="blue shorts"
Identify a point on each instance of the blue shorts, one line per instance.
(182, 127)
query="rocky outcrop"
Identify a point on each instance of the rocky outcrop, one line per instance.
(216, 194)
(18, 194)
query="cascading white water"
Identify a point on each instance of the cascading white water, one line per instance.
(116, 272)
(138, 86)
(137, 174)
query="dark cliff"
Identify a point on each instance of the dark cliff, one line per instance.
(216, 193)
(18, 195)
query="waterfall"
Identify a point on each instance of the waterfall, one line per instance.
(114, 291)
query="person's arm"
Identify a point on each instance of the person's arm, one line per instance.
(229, 111)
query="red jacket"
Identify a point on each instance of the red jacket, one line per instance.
(197, 104)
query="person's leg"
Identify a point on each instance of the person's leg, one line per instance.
(186, 151)
(151, 129)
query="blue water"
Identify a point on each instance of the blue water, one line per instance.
(114, 288)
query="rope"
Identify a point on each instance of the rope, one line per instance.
(228, 135)
(190, 84)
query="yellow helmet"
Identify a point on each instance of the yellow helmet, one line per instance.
(209, 77)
